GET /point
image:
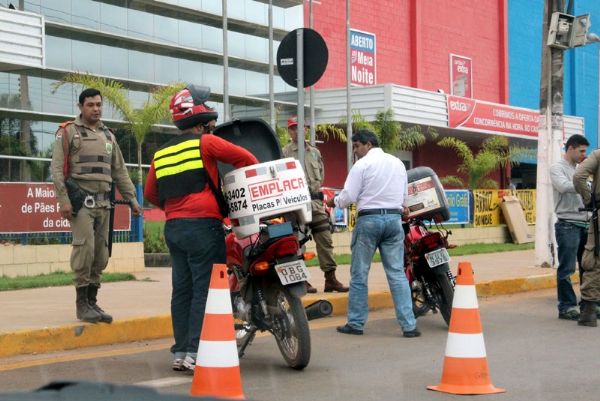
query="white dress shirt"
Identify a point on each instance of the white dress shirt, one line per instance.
(376, 181)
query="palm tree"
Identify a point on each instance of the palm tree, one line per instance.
(138, 121)
(392, 137)
(494, 153)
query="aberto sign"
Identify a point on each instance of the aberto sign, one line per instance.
(363, 61)
(492, 117)
(32, 207)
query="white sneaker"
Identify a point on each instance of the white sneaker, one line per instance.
(189, 363)
(178, 364)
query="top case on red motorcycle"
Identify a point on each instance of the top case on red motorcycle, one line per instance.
(426, 198)
(272, 188)
(252, 134)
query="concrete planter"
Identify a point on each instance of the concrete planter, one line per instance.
(157, 260)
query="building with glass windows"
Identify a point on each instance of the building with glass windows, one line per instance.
(141, 43)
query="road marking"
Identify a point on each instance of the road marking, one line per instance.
(165, 382)
(79, 356)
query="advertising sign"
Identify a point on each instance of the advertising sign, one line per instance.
(363, 60)
(32, 207)
(486, 205)
(459, 206)
(484, 116)
(461, 76)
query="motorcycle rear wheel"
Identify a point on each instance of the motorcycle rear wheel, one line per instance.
(290, 329)
(419, 300)
(444, 292)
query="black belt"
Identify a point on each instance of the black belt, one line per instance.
(101, 196)
(366, 212)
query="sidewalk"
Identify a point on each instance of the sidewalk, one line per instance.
(43, 320)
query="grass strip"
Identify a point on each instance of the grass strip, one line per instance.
(460, 250)
(53, 280)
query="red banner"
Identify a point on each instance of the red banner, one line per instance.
(461, 76)
(507, 120)
(31, 207)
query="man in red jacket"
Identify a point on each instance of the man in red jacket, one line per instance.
(183, 181)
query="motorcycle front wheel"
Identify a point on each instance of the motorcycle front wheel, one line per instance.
(290, 328)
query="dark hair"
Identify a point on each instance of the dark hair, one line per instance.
(576, 141)
(365, 136)
(89, 92)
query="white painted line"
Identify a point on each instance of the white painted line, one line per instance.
(218, 302)
(165, 382)
(465, 297)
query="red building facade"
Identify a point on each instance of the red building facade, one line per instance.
(414, 42)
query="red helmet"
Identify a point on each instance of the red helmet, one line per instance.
(188, 108)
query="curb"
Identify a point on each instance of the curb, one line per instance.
(155, 327)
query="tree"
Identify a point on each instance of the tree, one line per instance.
(138, 121)
(495, 152)
(392, 137)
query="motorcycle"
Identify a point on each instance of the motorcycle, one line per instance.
(426, 266)
(267, 277)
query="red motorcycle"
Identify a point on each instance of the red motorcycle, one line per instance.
(267, 281)
(426, 266)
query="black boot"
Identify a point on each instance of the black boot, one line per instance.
(588, 314)
(332, 283)
(84, 311)
(92, 293)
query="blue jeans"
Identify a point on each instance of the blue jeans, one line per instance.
(570, 240)
(384, 232)
(195, 245)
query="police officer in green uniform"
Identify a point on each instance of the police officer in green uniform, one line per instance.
(86, 160)
(313, 168)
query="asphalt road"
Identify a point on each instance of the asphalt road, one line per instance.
(531, 354)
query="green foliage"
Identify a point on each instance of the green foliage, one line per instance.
(53, 280)
(392, 136)
(154, 239)
(495, 152)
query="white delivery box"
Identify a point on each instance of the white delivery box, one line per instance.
(266, 190)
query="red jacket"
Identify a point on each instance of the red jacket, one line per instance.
(201, 204)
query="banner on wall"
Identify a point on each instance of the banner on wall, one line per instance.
(32, 207)
(461, 76)
(484, 116)
(459, 205)
(486, 205)
(363, 51)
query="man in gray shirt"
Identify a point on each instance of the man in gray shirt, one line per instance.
(571, 228)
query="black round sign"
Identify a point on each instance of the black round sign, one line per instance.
(315, 57)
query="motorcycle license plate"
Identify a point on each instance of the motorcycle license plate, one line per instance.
(437, 257)
(292, 272)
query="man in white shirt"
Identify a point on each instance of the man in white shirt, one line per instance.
(377, 183)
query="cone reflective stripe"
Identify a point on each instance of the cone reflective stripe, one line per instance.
(465, 363)
(217, 371)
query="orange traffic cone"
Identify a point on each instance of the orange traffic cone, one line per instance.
(217, 371)
(465, 364)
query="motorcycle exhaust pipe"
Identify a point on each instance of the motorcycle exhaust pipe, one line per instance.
(319, 309)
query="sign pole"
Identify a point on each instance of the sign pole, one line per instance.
(300, 87)
(349, 157)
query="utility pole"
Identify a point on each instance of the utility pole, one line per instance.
(549, 137)
(561, 31)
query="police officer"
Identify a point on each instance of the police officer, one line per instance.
(86, 160)
(590, 261)
(313, 168)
